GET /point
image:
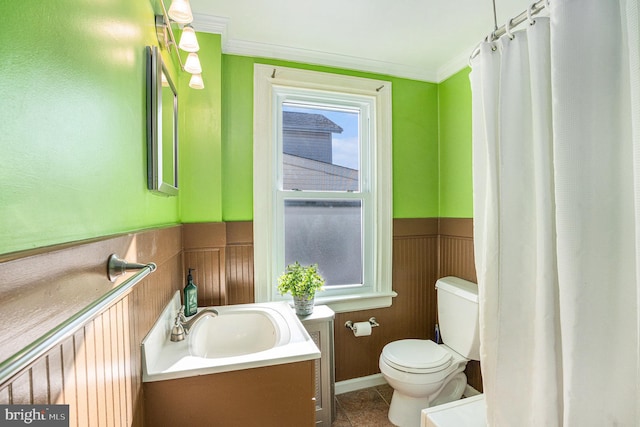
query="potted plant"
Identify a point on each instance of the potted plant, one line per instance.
(302, 282)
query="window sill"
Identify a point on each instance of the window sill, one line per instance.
(342, 304)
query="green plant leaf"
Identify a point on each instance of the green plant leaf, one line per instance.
(299, 280)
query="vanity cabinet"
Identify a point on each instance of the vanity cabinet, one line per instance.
(271, 396)
(319, 325)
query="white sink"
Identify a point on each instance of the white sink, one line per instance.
(242, 336)
(237, 331)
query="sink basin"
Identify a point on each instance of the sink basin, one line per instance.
(238, 331)
(242, 336)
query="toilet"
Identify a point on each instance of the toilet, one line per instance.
(425, 374)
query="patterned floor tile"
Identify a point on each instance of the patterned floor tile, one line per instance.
(364, 408)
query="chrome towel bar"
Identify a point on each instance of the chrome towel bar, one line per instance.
(117, 267)
(29, 354)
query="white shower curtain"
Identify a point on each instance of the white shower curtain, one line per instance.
(556, 158)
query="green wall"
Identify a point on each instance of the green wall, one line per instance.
(237, 134)
(415, 140)
(73, 135)
(201, 138)
(454, 107)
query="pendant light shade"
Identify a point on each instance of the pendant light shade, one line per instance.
(180, 11)
(192, 64)
(196, 82)
(188, 40)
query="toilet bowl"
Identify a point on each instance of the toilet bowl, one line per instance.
(434, 375)
(425, 374)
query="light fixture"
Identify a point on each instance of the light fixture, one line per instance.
(180, 11)
(196, 82)
(188, 40)
(192, 64)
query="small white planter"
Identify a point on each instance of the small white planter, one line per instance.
(303, 305)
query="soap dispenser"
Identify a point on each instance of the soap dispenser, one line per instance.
(190, 296)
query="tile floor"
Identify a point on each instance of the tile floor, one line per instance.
(367, 407)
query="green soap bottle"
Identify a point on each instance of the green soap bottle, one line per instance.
(190, 296)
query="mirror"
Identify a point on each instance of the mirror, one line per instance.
(162, 126)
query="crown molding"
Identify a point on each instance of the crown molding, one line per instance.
(456, 64)
(211, 24)
(219, 25)
(264, 50)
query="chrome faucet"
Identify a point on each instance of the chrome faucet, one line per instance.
(182, 326)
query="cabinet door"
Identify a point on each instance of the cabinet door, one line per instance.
(271, 396)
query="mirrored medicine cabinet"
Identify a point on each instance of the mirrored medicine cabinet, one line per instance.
(162, 126)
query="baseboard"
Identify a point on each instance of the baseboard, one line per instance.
(359, 383)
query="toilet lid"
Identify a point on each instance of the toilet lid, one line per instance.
(418, 356)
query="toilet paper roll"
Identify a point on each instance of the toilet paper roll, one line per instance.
(362, 329)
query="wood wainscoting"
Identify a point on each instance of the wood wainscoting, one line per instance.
(97, 370)
(424, 249)
(412, 314)
(222, 254)
(456, 258)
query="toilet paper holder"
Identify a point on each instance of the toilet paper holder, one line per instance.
(372, 321)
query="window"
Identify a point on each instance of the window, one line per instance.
(322, 184)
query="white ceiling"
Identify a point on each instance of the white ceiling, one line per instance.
(419, 39)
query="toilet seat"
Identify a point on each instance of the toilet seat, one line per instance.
(416, 356)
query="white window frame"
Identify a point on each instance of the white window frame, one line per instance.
(271, 86)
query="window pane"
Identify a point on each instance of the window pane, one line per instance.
(327, 233)
(321, 148)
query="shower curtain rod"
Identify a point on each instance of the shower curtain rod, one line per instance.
(534, 9)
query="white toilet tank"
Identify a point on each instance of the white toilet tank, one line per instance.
(458, 316)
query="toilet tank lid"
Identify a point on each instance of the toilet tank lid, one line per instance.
(458, 286)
